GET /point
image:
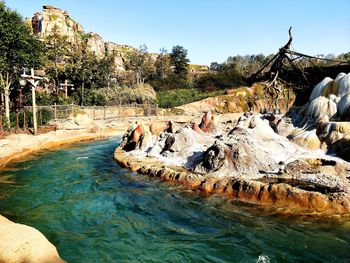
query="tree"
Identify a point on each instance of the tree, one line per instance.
(56, 51)
(81, 67)
(105, 70)
(163, 65)
(214, 66)
(18, 49)
(179, 61)
(140, 63)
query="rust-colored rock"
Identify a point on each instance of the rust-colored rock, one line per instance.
(280, 195)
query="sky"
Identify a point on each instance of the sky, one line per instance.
(211, 30)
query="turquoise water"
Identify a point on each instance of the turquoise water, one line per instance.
(94, 211)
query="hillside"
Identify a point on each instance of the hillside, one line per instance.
(44, 22)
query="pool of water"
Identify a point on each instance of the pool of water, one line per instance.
(94, 211)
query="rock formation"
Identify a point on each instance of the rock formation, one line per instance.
(21, 243)
(258, 98)
(248, 160)
(43, 24)
(324, 120)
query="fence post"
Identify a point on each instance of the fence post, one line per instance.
(17, 125)
(41, 118)
(1, 120)
(104, 112)
(24, 120)
(93, 113)
(55, 112)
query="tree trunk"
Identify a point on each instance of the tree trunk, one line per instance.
(7, 105)
(6, 82)
(82, 94)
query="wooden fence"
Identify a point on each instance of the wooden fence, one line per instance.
(64, 112)
(23, 119)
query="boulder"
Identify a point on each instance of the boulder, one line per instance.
(320, 107)
(157, 128)
(207, 123)
(212, 160)
(343, 107)
(343, 84)
(196, 128)
(132, 138)
(308, 139)
(21, 243)
(319, 89)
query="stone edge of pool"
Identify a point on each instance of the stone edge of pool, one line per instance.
(280, 195)
(17, 151)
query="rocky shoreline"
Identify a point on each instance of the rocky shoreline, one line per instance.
(272, 191)
(284, 161)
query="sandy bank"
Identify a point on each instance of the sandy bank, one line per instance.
(19, 146)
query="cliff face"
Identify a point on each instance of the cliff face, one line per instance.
(121, 54)
(96, 45)
(43, 24)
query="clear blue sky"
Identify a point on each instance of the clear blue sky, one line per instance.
(211, 30)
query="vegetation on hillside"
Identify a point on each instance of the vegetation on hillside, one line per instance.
(166, 78)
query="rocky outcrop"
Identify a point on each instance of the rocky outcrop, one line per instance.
(247, 161)
(324, 121)
(43, 24)
(96, 45)
(291, 196)
(51, 18)
(257, 98)
(21, 243)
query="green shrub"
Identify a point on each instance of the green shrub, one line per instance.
(171, 83)
(218, 81)
(45, 99)
(138, 93)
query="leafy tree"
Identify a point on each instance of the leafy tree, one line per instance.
(163, 65)
(18, 49)
(56, 52)
(140, 63)
(179, 61)
(81, 67)
(344, 57)
(214, 66)
(104, 71)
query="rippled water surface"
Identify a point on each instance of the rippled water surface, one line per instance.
(94, 211)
